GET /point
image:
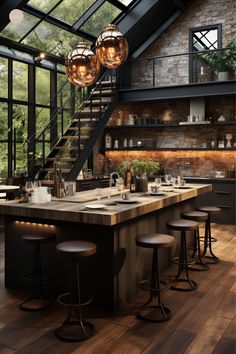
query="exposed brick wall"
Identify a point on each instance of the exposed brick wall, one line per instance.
(176, 40)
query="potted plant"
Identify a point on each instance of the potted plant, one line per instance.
(142, 169)
(222, 62)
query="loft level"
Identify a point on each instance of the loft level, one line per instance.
(216, 88)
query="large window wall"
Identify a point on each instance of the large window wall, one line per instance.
(28, 102)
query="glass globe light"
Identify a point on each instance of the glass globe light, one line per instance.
(16, 16)
(82, 66)
(111, 47)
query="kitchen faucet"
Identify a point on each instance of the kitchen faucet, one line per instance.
(112, 175)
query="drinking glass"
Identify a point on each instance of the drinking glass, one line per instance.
(158, 182)
(36, 184)
(168, 179)
(29, 186)
(98, 193)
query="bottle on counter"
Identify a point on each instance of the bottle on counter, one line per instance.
(133, 184)
(125, 142)
(116, 143)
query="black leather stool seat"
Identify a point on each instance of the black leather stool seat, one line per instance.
(195, 215)
(77, 249)
(37, 301)
(39, 239)
(182, 276)
(198, 216)
(154, 310)
(209, 209)
(74, 328)
(155, 241)
(208, 238)
(182, 225)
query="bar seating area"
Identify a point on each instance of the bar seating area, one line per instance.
(117, 177)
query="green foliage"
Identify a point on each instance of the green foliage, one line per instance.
(224, 60)
(139, 167)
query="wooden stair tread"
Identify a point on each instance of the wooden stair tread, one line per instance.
(75, 137)
(63, 170)
(69, 148)
(98, 101)
(85, 120)
(104, 92)
(62, 159)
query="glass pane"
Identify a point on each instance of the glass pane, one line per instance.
(20, 123)
(3, 162)
(52, 39)
(21, 157)
(103, 16)
(45, 5)
(71, 10)
(42, 119)
(63, 90)
(3, 121)
(3, 77)
(20, 81)
(15, 31)
(42, 86)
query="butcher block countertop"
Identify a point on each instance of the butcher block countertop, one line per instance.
(76, 208)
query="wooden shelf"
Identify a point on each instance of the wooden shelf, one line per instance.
(137, 148)
(171, 125)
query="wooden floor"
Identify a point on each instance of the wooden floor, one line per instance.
(203, 321)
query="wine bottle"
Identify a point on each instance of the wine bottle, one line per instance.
(133, 184)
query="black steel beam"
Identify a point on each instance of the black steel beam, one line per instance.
(174, 92)
(155, 35)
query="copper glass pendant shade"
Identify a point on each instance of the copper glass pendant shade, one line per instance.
(111, 47)
(82, 66)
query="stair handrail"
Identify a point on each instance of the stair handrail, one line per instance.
(50, 124)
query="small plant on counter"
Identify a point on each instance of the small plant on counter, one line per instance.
(148, 167)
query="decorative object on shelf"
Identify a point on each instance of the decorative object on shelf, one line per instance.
(108, 141)
(116, 143)
(131, 119)
(131, 143)
(221, 119)
(221, 144)
(167, 116)
(120, 118)
(228, 139)
(111, 47)
(82, 66)
(125, 143)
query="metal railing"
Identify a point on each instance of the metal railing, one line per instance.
(179, 69)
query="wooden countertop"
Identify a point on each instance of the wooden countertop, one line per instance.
(73, 209)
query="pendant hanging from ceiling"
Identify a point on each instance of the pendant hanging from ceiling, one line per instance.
(111, 47)
(82, 66)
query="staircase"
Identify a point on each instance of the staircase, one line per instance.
(73, 148)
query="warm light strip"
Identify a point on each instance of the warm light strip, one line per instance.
(32, 223)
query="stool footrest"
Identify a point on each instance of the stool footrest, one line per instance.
(63, 300)
(145, 285)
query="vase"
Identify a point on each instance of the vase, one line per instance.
(142, 183)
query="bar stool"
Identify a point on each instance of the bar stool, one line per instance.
(37, 300)
(183, 226)
(74, 328)
(210, 210)
(198, 216)
(155, 312)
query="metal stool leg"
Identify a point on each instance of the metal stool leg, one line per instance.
(212, 259)
(74, 328)
(37, 301)
(183, 269)
(156, 312)
(199, 265)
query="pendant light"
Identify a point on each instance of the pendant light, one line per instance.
(111, 47)
(82, 66)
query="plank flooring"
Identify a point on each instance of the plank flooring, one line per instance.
(203, 321)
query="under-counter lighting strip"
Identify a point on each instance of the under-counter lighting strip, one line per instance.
(32, 223)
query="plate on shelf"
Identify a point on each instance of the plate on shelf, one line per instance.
(95, 206)
(127, 201)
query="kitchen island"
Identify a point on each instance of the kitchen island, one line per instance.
(113, 274)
